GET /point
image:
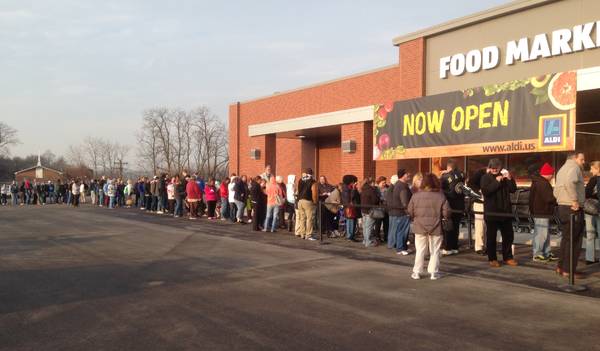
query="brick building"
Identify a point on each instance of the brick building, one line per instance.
(39, 173)
(329, 126)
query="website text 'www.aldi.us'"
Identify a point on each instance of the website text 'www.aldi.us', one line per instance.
(512, 147)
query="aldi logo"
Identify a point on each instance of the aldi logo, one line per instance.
(553, 131)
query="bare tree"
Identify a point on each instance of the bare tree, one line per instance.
(93, 150)
(172, 140)
(76, 155)
(211, 142)
(98, 154)
(148, 150)
(159, 121)
(8, 137)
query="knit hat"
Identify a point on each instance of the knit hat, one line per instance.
(546, 170)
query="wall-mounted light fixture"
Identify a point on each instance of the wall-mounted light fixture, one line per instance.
(348, 146)
(255, 154)
(300, 136)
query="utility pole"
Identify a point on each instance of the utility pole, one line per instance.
(119, 164)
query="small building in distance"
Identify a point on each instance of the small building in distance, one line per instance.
(39, 173)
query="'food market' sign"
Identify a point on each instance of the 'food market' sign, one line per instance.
(559, 42)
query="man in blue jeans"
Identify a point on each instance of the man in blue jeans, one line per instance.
(397, 199)
(541, 207)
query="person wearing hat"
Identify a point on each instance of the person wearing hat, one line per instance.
(542, 204)
(308, 197)
(496, 187)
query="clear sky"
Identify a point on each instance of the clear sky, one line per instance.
(72, 68)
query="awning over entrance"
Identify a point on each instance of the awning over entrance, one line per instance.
(336, 118)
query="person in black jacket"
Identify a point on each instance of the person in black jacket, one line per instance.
(542, 204)
(451, 179)
(369, 196)
(259, 202)
(241, 195)
(496, 186)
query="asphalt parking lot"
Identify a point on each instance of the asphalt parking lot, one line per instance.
(95, 279)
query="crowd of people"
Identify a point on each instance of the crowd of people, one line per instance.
(384, 211)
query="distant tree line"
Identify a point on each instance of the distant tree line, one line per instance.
(173, 140)
(102, 156)
(10, 165)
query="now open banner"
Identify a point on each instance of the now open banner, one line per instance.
(528, 115)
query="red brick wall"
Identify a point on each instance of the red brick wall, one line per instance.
(359, 163)
(287, 165)
(330, 157)
(412, 73)
(233, 144)
(392, 84)
(363, 90)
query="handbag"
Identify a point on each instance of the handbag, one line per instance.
(591, 207)
(447, 224)
(377, 213)
(350, 212)
(279, 200)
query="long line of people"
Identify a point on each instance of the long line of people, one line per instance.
(429, 207)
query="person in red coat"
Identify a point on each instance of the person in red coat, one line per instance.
(194, 194)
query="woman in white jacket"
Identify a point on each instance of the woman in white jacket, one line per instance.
(76, 191)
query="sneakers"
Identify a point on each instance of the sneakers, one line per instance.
(434, 276)
(404, 252)
(159, 212)
(446, 252)
(552, 257)
(311, 238)
(511, 262)
(540, 258)
(415, 276)
(454, 252)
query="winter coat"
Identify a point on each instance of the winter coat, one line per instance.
(333, 201)
(591, 189)
(496, 195)
(449, 181)
(541, 197)
(111, 190)
(224, 191)
(193, 191)
(398, 199)
(426, 208)
(569, 184)
(369, 196)
(179, 191)
(290, 189)
(273, 190)
(210, 193)
(241, 191)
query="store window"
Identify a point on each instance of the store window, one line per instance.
(523, 165)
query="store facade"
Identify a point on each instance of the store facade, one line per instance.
(520, 82)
